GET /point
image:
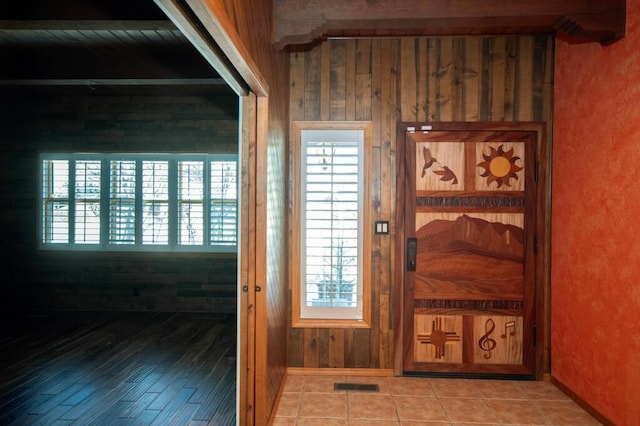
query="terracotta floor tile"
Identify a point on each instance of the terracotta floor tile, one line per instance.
(324, 405)
(517, 411)
(483, 424)
(419, 408)
(458, 388)
(285, 421)
(468, 410)
(499, 389)
(321, 421)
(294, 384)
(422, 401)
(427, 424)
(289, 404)
(368, 406)
(370, 422)
(541, 390)
(411, 386)
(566, 413)
(322, 383)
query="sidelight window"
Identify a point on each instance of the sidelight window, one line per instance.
(333, 232)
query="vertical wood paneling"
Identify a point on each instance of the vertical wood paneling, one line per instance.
(413, 79)
(297, 111)
(408, 69)
(312, 86)
(510, 79)
(325, 82)
(349, 348)
(362, 347)
(297, 87)
(539, 67)
(336, 348)
(364, 94)
(377, 74)
(471, 77)
(337, 80)
(457, 89)
(382, 351)
(422, 87)
(496, 97)
(323, 347)
(524, 84)
(311, 348)
(433, 46)
(444, 82)
(350, 80)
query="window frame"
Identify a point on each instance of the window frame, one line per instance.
(139, 245)
(364, 250)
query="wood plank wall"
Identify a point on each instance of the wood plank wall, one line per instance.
(97, 119)
(410, 79)
(254, 21)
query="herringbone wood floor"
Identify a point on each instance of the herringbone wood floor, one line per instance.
(118, 369)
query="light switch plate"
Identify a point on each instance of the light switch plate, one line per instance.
(382, 227)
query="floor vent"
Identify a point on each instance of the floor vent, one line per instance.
(356, 387)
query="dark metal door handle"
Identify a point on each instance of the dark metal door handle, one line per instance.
(412, 248)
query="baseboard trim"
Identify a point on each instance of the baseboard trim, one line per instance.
(302, 371)
(581, 402)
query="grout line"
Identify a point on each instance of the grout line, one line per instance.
(440, 398)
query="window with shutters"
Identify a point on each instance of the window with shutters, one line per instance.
(331, 283)
(149, 202)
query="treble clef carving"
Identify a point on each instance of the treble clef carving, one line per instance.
(486, 343)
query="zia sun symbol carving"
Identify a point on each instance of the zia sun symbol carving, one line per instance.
(446, 173)
(500, 166)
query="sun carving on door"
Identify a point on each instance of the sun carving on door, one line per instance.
(500, 166)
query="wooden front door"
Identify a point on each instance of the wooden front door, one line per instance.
(468, 229)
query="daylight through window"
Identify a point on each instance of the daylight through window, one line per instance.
(179, 202)
(332, 224)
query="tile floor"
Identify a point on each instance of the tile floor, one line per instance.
(412, 401)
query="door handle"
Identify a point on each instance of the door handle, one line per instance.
(412, 248)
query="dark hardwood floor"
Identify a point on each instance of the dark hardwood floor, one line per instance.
(118, 368)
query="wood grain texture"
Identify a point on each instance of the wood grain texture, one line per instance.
(436, 78)
(118, 368)
(302, 23)
(248, 26)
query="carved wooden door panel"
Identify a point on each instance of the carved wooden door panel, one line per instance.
(469, 228)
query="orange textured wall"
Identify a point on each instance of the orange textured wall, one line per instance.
(595, 280)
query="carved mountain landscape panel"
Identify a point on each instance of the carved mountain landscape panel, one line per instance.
(469, 258)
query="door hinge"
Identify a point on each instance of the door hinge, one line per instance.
(535, 245)
(536, 174)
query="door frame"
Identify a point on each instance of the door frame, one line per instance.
(542, 230)
(208, 29)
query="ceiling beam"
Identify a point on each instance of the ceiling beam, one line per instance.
(301, 22)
